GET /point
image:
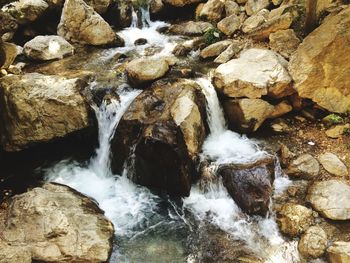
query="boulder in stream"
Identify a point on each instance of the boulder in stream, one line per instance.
(161, 134)
(39, 108)
(54, 223)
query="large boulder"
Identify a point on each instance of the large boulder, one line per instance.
(294, 219)
(144, 70)
(255, 73)
(47, 48)
(38, 108)
(339, 252)
(80, 23)
(250, 186)
(331, 199)
(54, 223)
(26, 11)
(320, 67)
(163, 129)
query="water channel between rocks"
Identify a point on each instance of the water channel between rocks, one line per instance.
(149, 228)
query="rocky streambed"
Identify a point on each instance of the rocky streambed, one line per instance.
(174, 131)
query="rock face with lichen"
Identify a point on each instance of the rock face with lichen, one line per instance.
(54, 223)
(320, 67)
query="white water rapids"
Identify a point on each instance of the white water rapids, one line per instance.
(150, 229)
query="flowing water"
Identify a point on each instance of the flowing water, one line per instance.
(151, 229)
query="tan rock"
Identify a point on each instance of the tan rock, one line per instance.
(331, 199)
(144, 70)
(230, 24)
(26, 11)
(215, 49)
(294, 219)
(190, 28)
(247, 115)
(213, 10)
(256, 20)
(8, 54)
(38, 108)
(254, 6)
(54, 223)
(232, 8)
(100, 6)
(313, 243)
(80, 23)
(322, 53)
(231, 51)
(333, 164)
(339, 252)
(255, 73)
(304, 166)
(280, 109)
(337, 131)
(285, 42)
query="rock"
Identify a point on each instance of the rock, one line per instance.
(7, 24)
(285, 42)
(331, 199)
(247, 115)
(213, 10)
(285, 155)
(230, 25)
(231, 8)
(304, 166)
(140, 42)
(215, 49)
(38, 108)
(254, 6)
(231, 51)
(313, 243)
(100, 6)
(333, 165)
(322, 53)
(255, 21)
(339, 252)
(156, 6)
(119, 14)
(280, 126)
(255, 73)
(165, 127)
(337, 131)
(181, 3)
(48, 48)
(8, 54)
(190, 28)
(294, 219)
(271, 26)
(26, 11)
(250, 187)
(144, 70)
(54, 223)
(80, 23)
(281, 109)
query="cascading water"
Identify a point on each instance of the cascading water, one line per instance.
(150, 228)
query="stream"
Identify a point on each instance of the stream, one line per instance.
(153, 229)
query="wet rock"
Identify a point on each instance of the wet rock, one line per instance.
(80, 23)
(254, 6)
(325, 48)
(181, 3)
(54, 223)
(247, 115)
(8, 54)
(271, 26)
(166, 127)
(313, 243)
(255, 21)
(305, 166)
(251, 186)
(230, 52)
(231, 8)
(213, 10)
(230, 24)
(39, 108)
(48, 48)
(333, 164)
(339, 252)
(144, 70)
(337, 131)
(255, 73)
(215, 49)
(26, 11)
(100, 6)
(294, 219)
(190, 28)
(285, 42)
(140, 42)
(331, 199)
